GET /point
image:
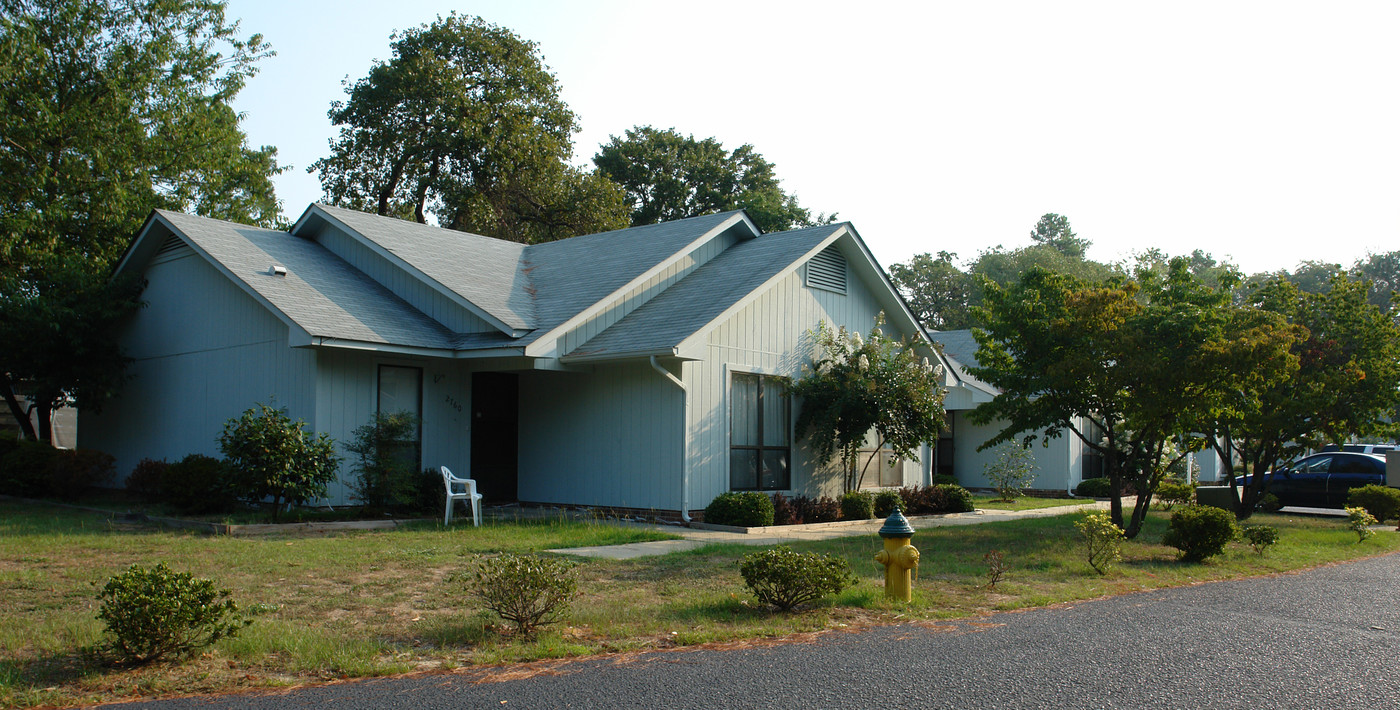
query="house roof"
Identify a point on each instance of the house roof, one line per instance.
(960, 350)
(321, 294)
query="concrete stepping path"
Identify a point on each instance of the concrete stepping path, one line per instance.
(777, 535)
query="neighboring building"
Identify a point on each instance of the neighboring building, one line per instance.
(1061, 463)
(639, 369)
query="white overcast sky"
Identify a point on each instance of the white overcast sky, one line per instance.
(1263, 132)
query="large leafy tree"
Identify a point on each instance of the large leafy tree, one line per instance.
(110, 109)
(1128, 366)
(465, 124)
(1382, 271)
(862, 385)
(669, 176)
(1343, 380)
(1053, 230)
(938, 292)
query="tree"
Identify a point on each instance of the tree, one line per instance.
(111, 109)
(858, 386)
(939, 294)
(669, 176)
(61, 349)
(1343, 381)
(1138, 360)
(273, 456)
(1382, 271)
(465, 124)
(1053, 231)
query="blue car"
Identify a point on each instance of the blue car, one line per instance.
(1323, 480)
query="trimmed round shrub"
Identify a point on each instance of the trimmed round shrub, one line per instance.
(1381, 501)
(745, 509)
(1260, 537)
(146, 476)
(1094, 488)
(784, 512)
(1171, 492)
(943, 479)
(823, 509)
(1269, 503)
(197, 484)
(156, 613)
(27, 469)
(527, 590)
(952, 499)
(857, 505)
(886, 501)
(785, 578)
(77, 470)
(1200, 532)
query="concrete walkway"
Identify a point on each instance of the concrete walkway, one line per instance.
(777, 535)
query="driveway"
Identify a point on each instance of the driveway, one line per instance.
(1326, 638)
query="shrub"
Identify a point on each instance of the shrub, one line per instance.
(77, 470)
(1094, 488)
(272, 456)
(154, 613)
(784, 513)
(1381, 501)
(1103, 540)
(857, 505)
(145, 478)
(386, 461)
(1360, 522)
(1260, 537)
(943, 479)
(27, 469)
(996, 567)
(914, 501)
(1011, 470)
(1200, 531)
(886, 501)
(1171, 492)
(785, 578)
(527, 590)
(745, 509)
(823, 509)
(197, 484)
(429, 493)
(1269, 503)
(953, 499)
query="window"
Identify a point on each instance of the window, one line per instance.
(1091, 464)
(759, 453)
(885, 470)
(401, 390)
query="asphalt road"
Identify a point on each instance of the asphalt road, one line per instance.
(1326, 638)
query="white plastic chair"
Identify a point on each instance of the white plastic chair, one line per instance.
(463, 489)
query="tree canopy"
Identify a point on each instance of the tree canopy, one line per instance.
(465, 124)
(669, 176)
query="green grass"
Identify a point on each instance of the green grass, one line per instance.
(375, 603)
(990, 501)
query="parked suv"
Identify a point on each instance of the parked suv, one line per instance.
(1323, 480)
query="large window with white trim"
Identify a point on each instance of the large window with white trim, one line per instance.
(760, 453)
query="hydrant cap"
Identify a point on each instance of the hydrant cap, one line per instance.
(896, 526)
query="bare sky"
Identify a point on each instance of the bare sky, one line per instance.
(1262, 132)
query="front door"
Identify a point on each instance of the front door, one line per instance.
(495, 422)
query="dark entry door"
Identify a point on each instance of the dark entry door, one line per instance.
(495, 421)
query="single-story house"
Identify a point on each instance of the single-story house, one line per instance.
(638, 369)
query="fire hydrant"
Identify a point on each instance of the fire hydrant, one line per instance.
(901, 559)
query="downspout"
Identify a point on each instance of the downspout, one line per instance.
(1069, 463)
(685, 437)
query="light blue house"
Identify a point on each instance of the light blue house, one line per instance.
(641, 368)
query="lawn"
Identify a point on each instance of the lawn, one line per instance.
(985, 500)
(364, 604)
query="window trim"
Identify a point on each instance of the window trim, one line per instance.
(760, 447)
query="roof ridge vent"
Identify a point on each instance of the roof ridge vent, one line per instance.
(276, 270)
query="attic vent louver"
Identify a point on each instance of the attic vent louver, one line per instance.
(171, 244)
(276, 270)
(827, 270)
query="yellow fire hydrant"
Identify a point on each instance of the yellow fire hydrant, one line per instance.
(901, 559)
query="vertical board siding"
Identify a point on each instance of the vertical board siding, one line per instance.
(417, 293)
(772, 335)
(347, 397)
(609, 437)
(638, 296)
(1057, 465)
(203, 352)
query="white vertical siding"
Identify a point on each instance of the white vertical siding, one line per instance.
(415, 292)
(204, 351)
(612, 436)
(772, 335)
(1058, 464)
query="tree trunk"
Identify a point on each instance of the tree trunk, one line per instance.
(26, 427)
(45, 422)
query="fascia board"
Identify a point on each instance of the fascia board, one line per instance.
(545, 343)
(295, 332)
(417, 274)
(901, 310)
(669, 353)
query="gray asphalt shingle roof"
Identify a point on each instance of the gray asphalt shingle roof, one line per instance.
(960, 350)
(680, 311)
(321, 293)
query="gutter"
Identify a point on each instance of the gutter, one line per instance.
(685, 437)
